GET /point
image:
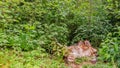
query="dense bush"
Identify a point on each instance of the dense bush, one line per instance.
(89, 21)
(93, 32)
(110, 47)
(113, 11)
(54, 24)
(32, 23)
(23, 24)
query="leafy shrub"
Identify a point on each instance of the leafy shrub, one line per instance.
(109, 50)
(89, 23)
(31, 39)
(113, 11)
(48, 32)
(49, 36)
(28, 24)
(57, 50)
(93, 32)
(37, 22)
(26, 28)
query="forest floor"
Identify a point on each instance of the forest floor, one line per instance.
(36, 59)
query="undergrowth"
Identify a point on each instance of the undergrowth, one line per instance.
(37, 58)
(32, 59)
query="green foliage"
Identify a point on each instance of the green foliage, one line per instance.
(41, 21)
(56, 49)
(89, 22)
(93, 32)
(28, 24)
(113, 11)
(37, 58)
(82, 59)
(110, 47)
(46, 33)
(99, 65)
